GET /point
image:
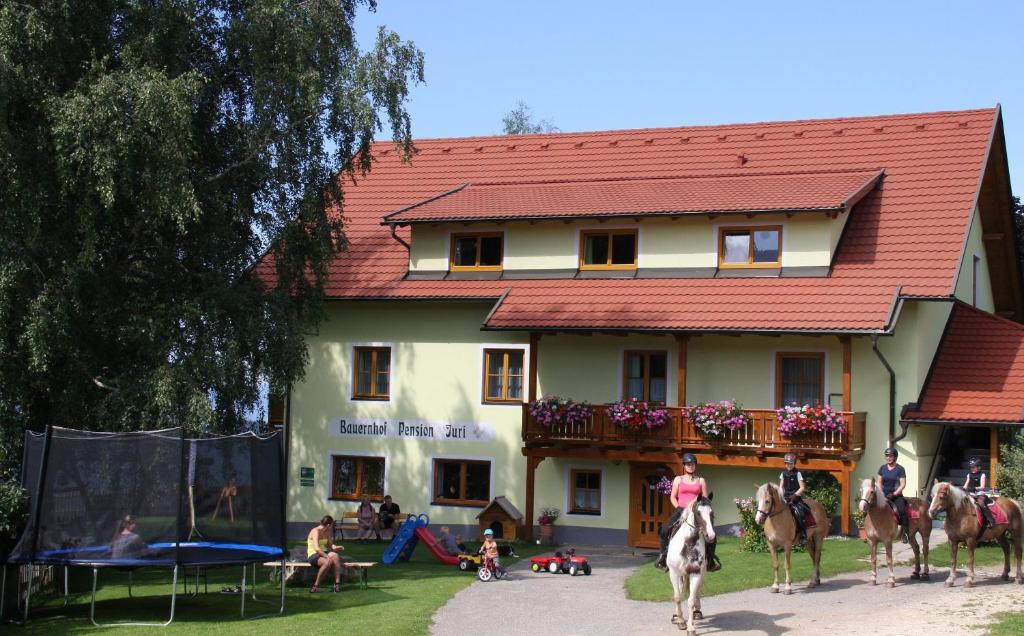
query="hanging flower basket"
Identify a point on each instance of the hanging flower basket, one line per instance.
(713, 419)
(635, 415)
(794, 419)
(551, 410)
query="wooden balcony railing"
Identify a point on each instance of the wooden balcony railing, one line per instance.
(760, 436)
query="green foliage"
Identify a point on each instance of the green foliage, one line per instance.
(150, 153)
(823, 488)
(752, 537)
(13, 510)
(1011, 467)
(519, 121)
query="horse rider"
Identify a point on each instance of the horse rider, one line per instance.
(685, 488)
(975, 486)
(791, 482)
(893, 479)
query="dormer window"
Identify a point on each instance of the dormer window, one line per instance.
(477, 252)
(750, 246)
(608, 249)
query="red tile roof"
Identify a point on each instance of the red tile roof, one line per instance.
(978, 372)
(731, 192)
(909, 232)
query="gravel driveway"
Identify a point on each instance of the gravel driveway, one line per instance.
(843, 604)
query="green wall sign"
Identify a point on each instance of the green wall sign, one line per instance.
(306, 475)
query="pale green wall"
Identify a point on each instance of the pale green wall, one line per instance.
(808, 240)
(437, 359)
(965, 278)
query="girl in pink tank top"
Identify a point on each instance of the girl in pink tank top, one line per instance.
(687, 492)
(685, 489)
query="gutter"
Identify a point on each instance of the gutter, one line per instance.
(394, 235)
(892, 395)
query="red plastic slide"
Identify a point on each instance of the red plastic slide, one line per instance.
(431, 542)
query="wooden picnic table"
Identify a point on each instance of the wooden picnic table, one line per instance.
(362, 567)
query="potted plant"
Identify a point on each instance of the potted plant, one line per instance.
(546, 520)
(713, 419)
(636, 415)
(551, 410)
(795, 419)
(858, 518)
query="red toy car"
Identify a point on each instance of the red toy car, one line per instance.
(569, 563)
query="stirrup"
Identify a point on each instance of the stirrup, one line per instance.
(661, 564)
(714, 565)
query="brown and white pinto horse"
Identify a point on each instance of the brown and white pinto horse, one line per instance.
(687, 560)
(962, 525)
(780, 530)
(881, 525)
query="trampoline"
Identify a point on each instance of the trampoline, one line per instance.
(154, 499)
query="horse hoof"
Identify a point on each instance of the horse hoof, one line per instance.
(949, 583)
(811, 584)
(1006, 577)
(969, 583)
(677, 621)
(925, 576)
(697, 615)
(774, 589)
(890, 584)
(915, 575)
(788, 591)
(874, 581)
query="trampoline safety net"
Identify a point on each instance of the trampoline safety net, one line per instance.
(151, 498)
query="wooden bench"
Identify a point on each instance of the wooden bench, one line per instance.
(361, 568)
(350, 521)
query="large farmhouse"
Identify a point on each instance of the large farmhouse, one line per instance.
(866, 264)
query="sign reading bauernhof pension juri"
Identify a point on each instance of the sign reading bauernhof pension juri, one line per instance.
(412, 429)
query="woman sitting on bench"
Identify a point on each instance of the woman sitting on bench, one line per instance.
(367, 518)
(320, 553)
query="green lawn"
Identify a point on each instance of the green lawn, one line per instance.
(746, 570)
(400, 599)
(986, 554)
(1010, 624)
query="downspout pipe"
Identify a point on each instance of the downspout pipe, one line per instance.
(395, 236)
(893, 438)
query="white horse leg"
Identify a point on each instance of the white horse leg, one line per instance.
(953, 546)
(677, 596)
(775, 567)
(873, 546)
(693, 603)
(789, 583)
(891, 582)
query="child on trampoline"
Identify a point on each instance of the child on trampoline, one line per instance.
(126, 544)
(320, 552)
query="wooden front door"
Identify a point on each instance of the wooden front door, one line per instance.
(648, 508)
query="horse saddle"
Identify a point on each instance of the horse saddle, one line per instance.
(809, 520)
(913, 514)
(998, 515)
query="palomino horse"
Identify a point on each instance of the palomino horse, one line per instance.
(686, 561)
(962, 525)
(780, 530)
(881, 525)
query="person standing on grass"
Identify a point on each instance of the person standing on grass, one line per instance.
(320, 552)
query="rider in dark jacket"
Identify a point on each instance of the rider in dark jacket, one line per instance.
(791, 481)
(975, 486)
(893, 479)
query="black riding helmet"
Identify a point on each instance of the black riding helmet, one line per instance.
(790, 458)
(689, 458)
(974, 461)
(892, 451)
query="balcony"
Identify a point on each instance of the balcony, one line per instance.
(760, 438)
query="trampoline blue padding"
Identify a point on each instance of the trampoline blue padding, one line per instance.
(164, 553)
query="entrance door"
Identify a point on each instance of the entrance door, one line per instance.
(648, 508)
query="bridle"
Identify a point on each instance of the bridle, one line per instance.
(699, 526)
(771, 512)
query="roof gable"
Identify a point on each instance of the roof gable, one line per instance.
(909, 232)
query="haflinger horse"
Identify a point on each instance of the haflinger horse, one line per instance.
(881, 525)
(962, 525)
(686, 559)
(781, 532)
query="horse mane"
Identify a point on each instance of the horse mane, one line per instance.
(763, 489)
(957, 495)
(880, 500)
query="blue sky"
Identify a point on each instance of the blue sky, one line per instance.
(602, 65)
